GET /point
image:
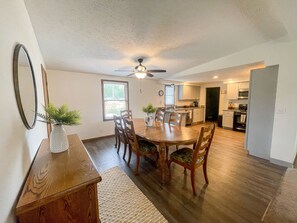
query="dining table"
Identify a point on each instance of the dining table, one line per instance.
(164, 134)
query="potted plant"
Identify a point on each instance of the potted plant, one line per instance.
(59, 116)
(150, 111)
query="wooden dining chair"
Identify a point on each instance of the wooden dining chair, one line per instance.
(126, 114)
(191, 159)
(160, 115)
(175, 119)
(138, 146)
(120, 134)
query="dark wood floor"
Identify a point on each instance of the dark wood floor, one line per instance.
(240, 186)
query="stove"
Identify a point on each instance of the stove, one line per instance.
(239, 120)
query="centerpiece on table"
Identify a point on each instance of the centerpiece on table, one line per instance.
(150, 112)
(59, 116)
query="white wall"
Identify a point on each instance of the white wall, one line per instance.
(17, 144)
(82, 91)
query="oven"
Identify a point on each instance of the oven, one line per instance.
(239, 119)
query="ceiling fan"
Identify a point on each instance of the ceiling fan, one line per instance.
(140, 71)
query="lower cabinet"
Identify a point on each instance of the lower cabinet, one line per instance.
(228, 119)
(198, 115)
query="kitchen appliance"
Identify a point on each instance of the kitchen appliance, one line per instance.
(243, 93)
(239, 120)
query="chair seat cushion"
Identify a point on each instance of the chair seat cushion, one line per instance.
(184, 155)
(146, 147)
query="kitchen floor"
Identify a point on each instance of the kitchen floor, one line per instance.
(240, 186)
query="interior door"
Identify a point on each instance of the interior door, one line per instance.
(212, 103)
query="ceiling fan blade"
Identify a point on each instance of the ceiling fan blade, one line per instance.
(149, 75)
(156, 71)
(130, 75)
(124, 70)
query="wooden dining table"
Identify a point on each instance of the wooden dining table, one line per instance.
(163, 134)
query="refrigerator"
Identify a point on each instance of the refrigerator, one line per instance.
(261, 111)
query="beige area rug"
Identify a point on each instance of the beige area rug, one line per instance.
(120, 200)
(283, 208)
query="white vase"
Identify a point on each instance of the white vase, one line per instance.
(58, 141)
(149, 119)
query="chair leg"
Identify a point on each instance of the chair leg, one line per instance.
(176, 147)
(157, 159)
(116, 138)
(193, 181)
(119, 145)
(205, 172)
(125, 149)
(137, 164)
(130, 154)
(169, 164)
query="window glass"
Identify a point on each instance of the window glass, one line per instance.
(115, 98)
(169, 94)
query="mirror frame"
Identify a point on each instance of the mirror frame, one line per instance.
(16, 85)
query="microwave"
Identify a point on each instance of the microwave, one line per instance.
(243, 94)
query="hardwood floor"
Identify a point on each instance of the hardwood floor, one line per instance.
(240, 186)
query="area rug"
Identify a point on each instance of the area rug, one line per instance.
(283, 208)
(120, 200)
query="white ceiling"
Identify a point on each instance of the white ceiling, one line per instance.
(100, 36)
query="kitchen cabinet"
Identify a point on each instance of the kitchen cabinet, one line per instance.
(198, 115)
(243, 85)
(228, 119)
(232, 91)
(188, 92)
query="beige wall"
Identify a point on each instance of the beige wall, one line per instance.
(18, 145)
(82, 91)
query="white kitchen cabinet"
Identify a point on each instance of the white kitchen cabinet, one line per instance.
(228, 119)
(198, 115)
(188, 92)
(243, 85)
(232, 91)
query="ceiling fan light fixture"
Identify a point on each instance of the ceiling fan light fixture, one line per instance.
(140, 75)
(140, 68)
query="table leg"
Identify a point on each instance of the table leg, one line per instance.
(162, 148)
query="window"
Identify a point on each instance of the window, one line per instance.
(114, 97)
(169, 94)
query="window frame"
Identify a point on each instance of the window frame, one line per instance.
(103, 100)
(165, 94)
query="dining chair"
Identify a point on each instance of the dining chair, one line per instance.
(160, 115)
(120, 134)
(138, 146)
(126, 114)
(191, 159)
(175, 119)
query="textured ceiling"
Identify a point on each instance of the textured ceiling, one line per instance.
(100, 36)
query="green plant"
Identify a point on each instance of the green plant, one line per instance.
(149, 109)
(59, 116)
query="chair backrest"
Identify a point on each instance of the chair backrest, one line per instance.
(130, 134)
(126, 114)
(118, 121)
(203, 143)
(160, 114)
(175, 119)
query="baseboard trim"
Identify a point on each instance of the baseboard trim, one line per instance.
(281, 163)
(100, 137)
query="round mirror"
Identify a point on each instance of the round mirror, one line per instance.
(24, 86)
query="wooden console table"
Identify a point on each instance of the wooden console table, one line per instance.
(60, 187)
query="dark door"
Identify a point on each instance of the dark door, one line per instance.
(212, 103)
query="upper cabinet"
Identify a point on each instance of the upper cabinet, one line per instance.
(188, 92)
(232, 91)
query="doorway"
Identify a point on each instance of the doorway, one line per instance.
(212, 103)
